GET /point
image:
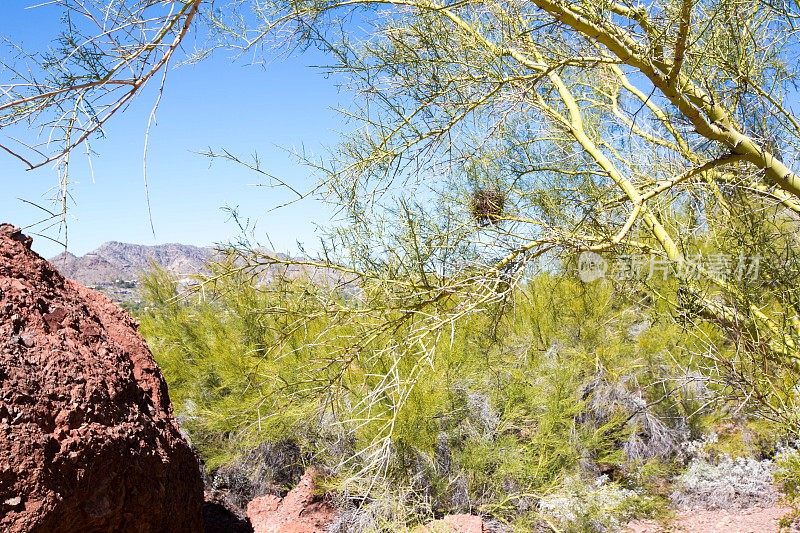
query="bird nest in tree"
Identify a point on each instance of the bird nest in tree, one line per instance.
(486, 205)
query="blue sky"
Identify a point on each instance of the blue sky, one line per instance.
(217, 103)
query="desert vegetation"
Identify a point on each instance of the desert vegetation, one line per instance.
(571, 406)
(563, 289)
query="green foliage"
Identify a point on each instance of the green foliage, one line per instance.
(209, 353)
(755, 438)
(503, 409)
(788, 473)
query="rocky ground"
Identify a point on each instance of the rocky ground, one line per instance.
(753, 520)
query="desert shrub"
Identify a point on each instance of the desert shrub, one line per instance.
(787, 472)
(743, 438)
(600, 506)
(728, 484)
(506, 407)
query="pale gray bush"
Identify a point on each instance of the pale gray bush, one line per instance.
(271, 468)
(364, 519)
(653, 438)
(482, 414)
(729, 484)
(602, 506)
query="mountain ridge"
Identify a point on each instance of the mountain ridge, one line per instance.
(114, 267)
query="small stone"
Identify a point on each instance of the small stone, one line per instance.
(13, 502)
(27, 341)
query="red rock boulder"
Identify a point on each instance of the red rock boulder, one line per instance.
(301, 511)
(88, 442)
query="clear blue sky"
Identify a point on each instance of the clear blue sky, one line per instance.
(217, 104)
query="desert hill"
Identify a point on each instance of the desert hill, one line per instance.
(114, 268)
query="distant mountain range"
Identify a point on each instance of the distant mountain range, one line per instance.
(114, 268)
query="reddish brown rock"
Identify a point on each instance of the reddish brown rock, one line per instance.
(88, 442)
(301, 511)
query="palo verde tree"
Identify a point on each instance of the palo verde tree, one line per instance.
(493, 135)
